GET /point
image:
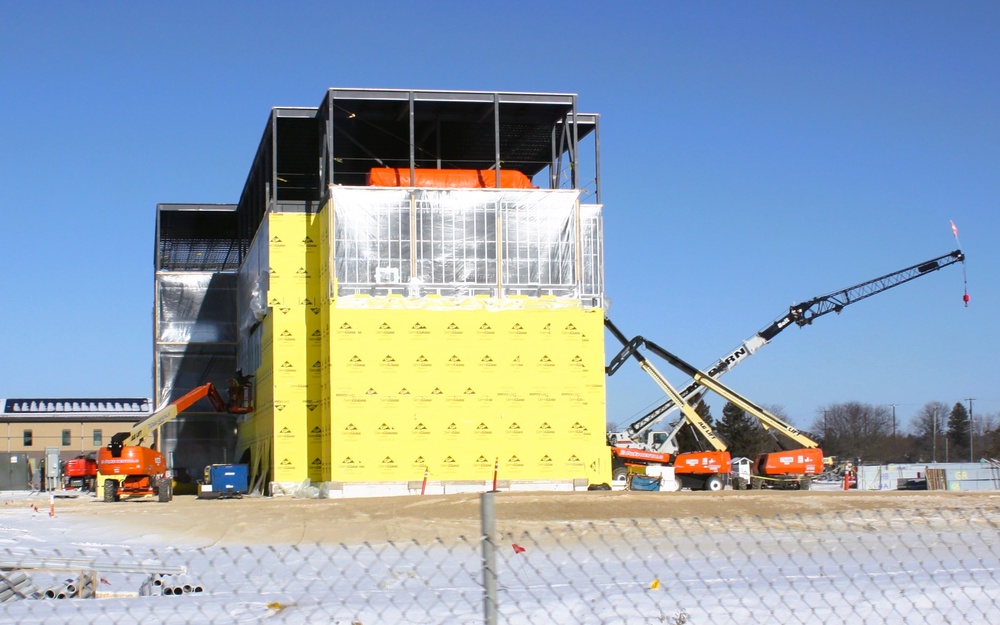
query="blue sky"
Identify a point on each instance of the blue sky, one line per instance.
(753, 155)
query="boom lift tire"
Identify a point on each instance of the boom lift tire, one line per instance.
(805, 483)
(713, 483)
(620, 474)
(756, 483)
(111, 490)
(164, 490)
(739, 484)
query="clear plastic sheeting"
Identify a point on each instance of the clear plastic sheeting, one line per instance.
(592, 253)
(465, 243)
(201, 436)
(253, 282)
(184, 367)
(195, 307)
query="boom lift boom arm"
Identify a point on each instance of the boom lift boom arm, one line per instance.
(631, 348)
(801, 314)
(702, 379)
(145, 428)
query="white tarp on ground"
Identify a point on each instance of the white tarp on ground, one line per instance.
(869, 566)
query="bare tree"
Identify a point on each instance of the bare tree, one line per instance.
(986, 430)
(854, 430)
(930, 427)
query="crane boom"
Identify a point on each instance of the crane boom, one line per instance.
(801, 314)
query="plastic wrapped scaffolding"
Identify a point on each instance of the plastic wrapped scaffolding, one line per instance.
(196, 307)
(253, 283)
(196, 335)
(462, 242)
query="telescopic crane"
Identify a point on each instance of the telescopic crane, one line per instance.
(801, 314)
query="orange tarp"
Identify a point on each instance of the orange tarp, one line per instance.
(448, 178)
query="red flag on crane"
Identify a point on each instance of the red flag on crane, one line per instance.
(965, 296)
(517, 548)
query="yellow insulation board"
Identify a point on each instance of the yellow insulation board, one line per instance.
(382, 390)
(455, 391)
(256, 434)
(295, 350)
(294, 260)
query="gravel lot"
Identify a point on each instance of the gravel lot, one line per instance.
(283, 521)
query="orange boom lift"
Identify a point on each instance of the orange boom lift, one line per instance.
(134, 470)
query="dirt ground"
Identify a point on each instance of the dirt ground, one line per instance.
(287, 521)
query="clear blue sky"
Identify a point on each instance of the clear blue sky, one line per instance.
(754, 155)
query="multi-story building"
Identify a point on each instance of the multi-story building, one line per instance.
(415, 281)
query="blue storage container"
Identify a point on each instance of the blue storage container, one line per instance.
(643, 482)
(224, 480)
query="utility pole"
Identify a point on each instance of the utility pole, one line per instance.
(969, 399)
(893, 420)
(934, 430)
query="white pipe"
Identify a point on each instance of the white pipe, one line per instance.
(89, 565)
(14, 578)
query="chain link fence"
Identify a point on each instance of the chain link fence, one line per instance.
(873, 566)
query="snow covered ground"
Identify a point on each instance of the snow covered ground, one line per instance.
(866, 566)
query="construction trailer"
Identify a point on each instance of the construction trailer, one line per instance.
(416, 283)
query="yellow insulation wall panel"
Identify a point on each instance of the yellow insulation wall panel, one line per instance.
(296, 354)
(322, 437)
(457, 390)
(257, 432)
(379, 389)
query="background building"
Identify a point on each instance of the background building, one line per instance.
(71, 427)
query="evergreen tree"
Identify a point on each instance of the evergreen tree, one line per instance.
(958, 430)
(744, 434)
(687, 439)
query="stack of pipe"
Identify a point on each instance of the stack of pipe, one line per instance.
(61, 591)
(170, 585)
(16, 585)
(84, 588)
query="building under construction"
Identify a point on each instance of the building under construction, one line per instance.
(414, 279)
